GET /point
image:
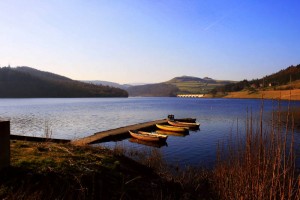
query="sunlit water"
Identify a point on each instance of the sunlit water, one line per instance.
(75, 118)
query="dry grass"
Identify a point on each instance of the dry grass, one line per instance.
(193, 182)
(257, 165)
(292, 85)
(260, 165)
(64, 171)
(187, 183)
(267, 94)
(47, 131)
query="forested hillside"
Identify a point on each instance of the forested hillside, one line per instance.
(283, 77)
(25, 82)
(41, 74)
(153, 90)
(108, 83)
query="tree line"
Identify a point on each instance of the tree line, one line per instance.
(283, 77)
(16, 83)
(153, 90)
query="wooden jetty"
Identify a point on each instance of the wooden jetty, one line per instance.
(4, 144)
(122, 131)
(37, 139)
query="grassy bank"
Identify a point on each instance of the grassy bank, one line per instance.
(258, 164)
(267, 94)
(64, 171)
(56, 171)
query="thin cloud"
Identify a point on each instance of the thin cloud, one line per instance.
(229, 12)
(215, 23)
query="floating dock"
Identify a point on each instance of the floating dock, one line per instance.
(118, 132)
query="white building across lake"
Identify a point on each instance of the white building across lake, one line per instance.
(190, 95)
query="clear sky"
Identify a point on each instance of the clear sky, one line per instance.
(149, 41)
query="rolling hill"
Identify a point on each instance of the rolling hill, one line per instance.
(108, 83)
(177, 85)
(283, 79)
(26, 82)
(291, 73)
(195, 85)
(153, 90)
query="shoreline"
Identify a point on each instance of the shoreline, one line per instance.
(85, 172)
(293, 95)
(267, 94)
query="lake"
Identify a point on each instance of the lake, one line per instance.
(80, 117)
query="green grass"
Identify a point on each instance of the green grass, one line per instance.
(194, 87)
(63, 171)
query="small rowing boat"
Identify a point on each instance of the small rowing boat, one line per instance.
(155, 134)
(180, 134)
(172, 128)
(191, 120)
(184, 124)
(141, 135)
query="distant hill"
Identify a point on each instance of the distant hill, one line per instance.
(291, 73)
(26, 82)
(108, 83)
(280, 78)
(41, 74)
(196, 79)
(195, 85)
(177, 85)
(153, 90)
(185, 79)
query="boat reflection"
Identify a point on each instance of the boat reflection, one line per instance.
(147, 143)
(179, 134)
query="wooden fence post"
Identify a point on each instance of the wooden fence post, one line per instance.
(4, 144)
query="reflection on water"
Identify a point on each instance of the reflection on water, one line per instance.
(178, 134)
(147, 143)
(75, 118)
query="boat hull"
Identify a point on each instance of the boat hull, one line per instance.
(171, 128)
(172, 133)
(191, 120)
(162, 136)
(147, 137)
(184, 124)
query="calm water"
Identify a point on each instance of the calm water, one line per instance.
(75, 118)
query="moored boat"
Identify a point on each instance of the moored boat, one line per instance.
(147, 137)
(179, 134)
(155, 134)
(191, 120)
(172, 128)
(184, 124)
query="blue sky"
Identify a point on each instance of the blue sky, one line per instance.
(128, 41)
